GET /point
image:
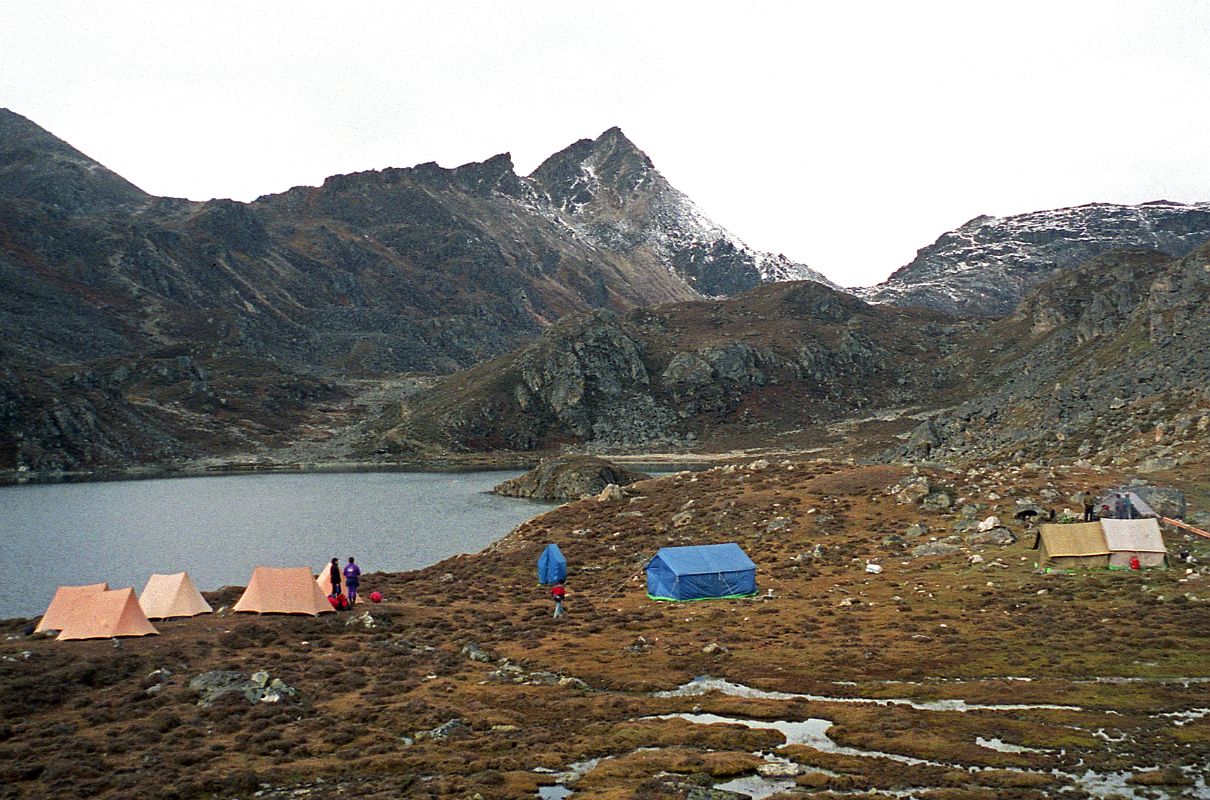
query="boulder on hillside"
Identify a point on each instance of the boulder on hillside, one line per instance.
(568, 478)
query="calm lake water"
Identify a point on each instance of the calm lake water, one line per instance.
(219, 528)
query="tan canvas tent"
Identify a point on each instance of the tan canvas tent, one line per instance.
(1078, 544)
(103, 615)
(283, 590)
(173, 595)
(65, 601)
(1127, 538)
(325, 581)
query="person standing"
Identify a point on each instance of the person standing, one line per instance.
(558, 592)
(1121, 506)
(352, 580)
(1090, 501)
(334, 577)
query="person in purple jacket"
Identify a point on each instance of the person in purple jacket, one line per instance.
(352, 579)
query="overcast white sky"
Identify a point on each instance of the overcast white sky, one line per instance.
(845, 135)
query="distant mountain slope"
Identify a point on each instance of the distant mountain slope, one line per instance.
(374, 273)
(986, 266)
(1120, 376)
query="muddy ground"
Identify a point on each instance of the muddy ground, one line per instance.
(1104, 674)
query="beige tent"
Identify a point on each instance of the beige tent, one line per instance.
(283, 590)
(62, 607)
(1127, 538)
(172, 596)
(1077, 544)
(103, 615)
(325, 581)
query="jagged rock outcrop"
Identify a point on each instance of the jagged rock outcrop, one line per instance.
(780, 356)
(988, 265)
(568, 478)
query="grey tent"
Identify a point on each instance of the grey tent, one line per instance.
(1134, 538)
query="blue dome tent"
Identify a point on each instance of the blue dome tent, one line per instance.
(552, 566)
(701, 572)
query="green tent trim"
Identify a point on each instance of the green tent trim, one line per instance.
(703, 599)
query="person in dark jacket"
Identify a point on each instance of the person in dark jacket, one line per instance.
(1121, 506)
(334, 576)
(1090, 502)
(352, 580)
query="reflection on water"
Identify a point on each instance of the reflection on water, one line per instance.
(219, 528)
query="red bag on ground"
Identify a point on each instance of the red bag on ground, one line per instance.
(339, 602)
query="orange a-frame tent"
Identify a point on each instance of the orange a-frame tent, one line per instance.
(325, 581)
(62, 607)
(283, 590)
(172, 596)
(103, 615)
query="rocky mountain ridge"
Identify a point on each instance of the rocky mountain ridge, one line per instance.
(375, 273)
(987, 265)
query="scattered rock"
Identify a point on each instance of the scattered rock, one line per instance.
(934, 549)
(916, 530)
(682, 518)
(999, 536)
(259, 688)
(989, 523)
(365, 620)
(936, 501)
(476, 653)
(777, 524)
(911, 490)
(611, 493)
(453, 729)
(714, 648)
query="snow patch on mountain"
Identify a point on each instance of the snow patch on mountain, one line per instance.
(985, 266)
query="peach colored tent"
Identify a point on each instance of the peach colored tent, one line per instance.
(104, 615)
(325, 581)
(65, 600)
(172, 596)
(283, 590)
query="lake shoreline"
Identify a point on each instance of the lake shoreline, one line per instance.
(469, 462)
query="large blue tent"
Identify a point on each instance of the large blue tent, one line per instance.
(552, 566)
(699, 572)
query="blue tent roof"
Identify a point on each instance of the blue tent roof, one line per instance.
(552, 566)
(701, 559)
(701, 571)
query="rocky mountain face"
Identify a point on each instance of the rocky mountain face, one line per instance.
(611, 195)
(988, 265)
(1108, 363)
(778, 357)
(419, 269)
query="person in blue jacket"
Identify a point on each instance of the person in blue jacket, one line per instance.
(352, 580)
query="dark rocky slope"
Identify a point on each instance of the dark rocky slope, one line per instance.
(987, 265)
(773, 359)
(1120, 376)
